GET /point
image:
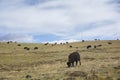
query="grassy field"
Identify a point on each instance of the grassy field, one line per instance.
(49, 62)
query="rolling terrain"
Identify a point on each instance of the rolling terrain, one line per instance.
(48, 62)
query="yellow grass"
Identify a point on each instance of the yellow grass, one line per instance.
(49, 62)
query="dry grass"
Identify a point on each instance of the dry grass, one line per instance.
(49, 62)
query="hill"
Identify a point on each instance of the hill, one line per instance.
(48, 62)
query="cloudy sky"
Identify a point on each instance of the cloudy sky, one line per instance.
(59, 20)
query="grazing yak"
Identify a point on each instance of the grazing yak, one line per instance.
(88, 46)
(26, 48)
(83, 40)
(95, 46)
(73, 57)
(19, 45)
(70, 46)
(35, 48)
(109, 42)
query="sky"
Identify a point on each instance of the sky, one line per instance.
(59, 20)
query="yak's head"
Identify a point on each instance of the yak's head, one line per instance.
(68, 64)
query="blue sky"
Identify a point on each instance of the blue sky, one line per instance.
(59, 20)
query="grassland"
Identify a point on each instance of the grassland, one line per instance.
(49, 62)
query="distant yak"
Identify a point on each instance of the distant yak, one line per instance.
(70, 46)
(83, 40)
(95, 46)
(109, 42)
(46, 43)
(99, 45)
(73, 57)
(35, 48)
(88, 46)
(19, 45)
(26, 48)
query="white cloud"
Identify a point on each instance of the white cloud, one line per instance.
(16, 37)
(60, 17)
(111, 31)
(62, 41)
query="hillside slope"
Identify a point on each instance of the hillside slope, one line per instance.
(48, 62)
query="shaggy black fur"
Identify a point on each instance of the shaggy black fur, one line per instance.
(73, 57)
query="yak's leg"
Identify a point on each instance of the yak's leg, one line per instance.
(72, 64)
(69, 64)
(76, 63)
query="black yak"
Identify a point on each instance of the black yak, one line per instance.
(35, 48)
(19, 45)
(70, 46)
(89, 46)
(99, 45)
(73, 57)
(83, 40)
(26, 48)
(109, 42)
